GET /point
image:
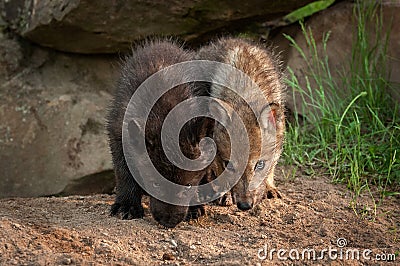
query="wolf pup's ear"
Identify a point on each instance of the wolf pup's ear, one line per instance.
(269, 116)
(221, 110)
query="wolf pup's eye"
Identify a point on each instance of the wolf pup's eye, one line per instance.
(229, 166)
(260, 165)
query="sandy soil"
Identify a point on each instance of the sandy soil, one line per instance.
(314, 214)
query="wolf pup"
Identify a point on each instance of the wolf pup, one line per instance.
(263, 68)
(147, 59)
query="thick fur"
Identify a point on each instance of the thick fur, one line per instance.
(263, 67)
(145, 60)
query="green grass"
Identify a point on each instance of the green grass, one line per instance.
(353, 136)
(307, 10)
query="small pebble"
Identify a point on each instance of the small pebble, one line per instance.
(168, 256)
(66, 261)
(174, 244)
(18, 226)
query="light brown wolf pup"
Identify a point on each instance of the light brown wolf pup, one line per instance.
(265, 135)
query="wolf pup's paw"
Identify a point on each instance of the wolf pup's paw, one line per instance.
(195, 212)
(225, 200)
(127, 211)
(273, 193)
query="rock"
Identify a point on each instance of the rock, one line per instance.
(102, 182)
(103, 26)
(52, 136)
(173, 243)
(66, 261)
(168, 256)
(104, 247)
(10, 56)
(340, 22)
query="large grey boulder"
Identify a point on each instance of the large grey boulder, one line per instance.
(52, 137)
(104, 26)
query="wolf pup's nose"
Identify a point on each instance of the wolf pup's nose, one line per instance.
(244, 206)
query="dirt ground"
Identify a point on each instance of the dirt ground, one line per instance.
(313, 215)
